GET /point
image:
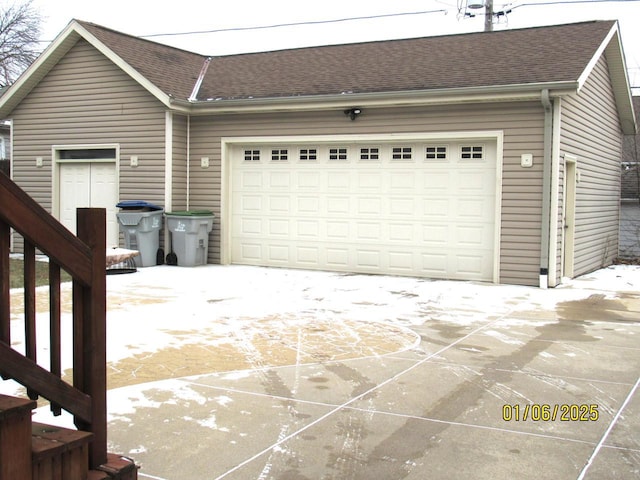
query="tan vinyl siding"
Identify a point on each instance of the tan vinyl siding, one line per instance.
(179, 170)
(591, 132)
(520, 122)
(86, 99)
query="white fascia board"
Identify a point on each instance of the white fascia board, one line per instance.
(596, 57)
(612, 49)
(52, 55)
(506, 93)
(38, 69)
(124, 66)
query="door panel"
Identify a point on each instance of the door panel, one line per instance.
(89, 185)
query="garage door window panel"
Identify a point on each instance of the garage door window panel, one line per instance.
(252, 155)
(279, 155)
(472, 152)
(339, 154)
(308, 154)
(402, 153)
(370, 154)
(438, 153)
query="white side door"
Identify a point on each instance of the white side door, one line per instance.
(89, 185)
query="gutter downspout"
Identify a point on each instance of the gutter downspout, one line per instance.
(188, 159)
(546, 188)
(194, 98)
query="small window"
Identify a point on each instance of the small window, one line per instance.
(279, 155)
(436, 153)
(475, 152)
(252, 155)
(401, 153)
(87, 154)
(370, 153)
(338, 153)
(308, 154)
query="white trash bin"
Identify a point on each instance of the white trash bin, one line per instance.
(189, 236)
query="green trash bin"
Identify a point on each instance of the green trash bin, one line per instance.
(189, 231)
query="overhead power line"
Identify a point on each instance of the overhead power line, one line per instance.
(510, 5)
(295, 24)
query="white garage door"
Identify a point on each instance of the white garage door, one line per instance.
(89, 185)
(412, 208)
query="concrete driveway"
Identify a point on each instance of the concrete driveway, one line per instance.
(254, 373)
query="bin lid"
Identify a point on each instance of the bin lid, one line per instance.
(137, 205)
(190, 213)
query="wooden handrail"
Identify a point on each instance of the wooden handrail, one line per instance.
(41, 228)
(83, 257)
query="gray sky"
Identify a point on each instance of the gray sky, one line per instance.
(424, 18)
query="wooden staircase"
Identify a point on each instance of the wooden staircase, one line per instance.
(34, 451)
(31, 451)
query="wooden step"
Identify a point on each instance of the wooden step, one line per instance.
(35, 451)
(15, 437)
(116, 468)
(62, 454)
(59, 453)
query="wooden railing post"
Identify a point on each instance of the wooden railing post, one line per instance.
(91, 317)
(5, 307)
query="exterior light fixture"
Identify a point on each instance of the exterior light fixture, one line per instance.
(475, 4)
(352, 113)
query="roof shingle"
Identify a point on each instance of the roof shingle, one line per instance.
(172, 70)
(509, 57)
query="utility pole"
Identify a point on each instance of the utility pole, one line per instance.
(488, 15)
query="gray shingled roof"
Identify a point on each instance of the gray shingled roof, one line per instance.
(510, 57)
(172, 70)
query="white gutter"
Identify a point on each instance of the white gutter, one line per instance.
(546, 189)
(530, 92)
(188, 159)
(554, 215)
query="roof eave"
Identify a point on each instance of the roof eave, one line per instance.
(52, 55)
(506, 93)
(612, 49)
(38, 70)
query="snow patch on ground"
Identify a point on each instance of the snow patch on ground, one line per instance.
(169, 306)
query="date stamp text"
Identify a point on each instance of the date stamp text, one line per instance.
(536, 412)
